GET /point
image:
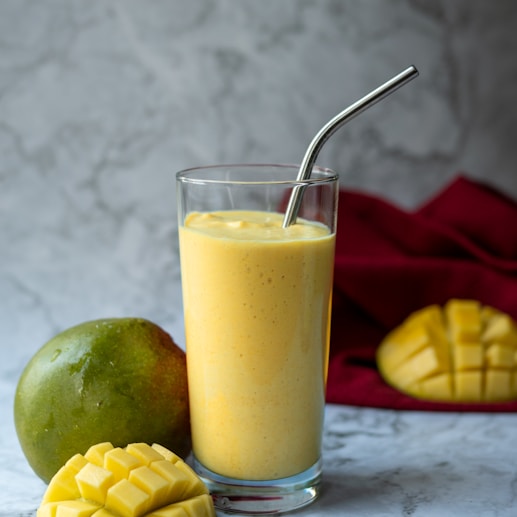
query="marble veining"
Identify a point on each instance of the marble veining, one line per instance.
(101, 102)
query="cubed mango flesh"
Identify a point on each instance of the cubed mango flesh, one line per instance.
(135, 481)
(93, 482)
(461, 352)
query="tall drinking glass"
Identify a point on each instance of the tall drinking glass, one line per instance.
(257, 302)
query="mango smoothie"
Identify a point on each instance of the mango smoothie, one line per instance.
(257, 303)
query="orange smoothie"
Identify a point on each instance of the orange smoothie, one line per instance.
(257, 303)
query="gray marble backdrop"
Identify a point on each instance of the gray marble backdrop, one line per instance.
(102, 101)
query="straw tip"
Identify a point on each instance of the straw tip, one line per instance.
(413, 69)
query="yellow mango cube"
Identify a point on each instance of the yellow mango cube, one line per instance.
(468, 356)
(165, 453)
(48, 509)
(464, 319)
(127, 500)
(196, 486)
(95, 454)
(120, 462)
(173, 510)
(77, 462)
(439, 386)
(76, 509)
(421, 365)
(152, 484)
(179, 481)
(468, 386)
(94, 482)
(430, 316)
(498, 384)
(63, 485)
(501, 328)
(146, 453)
(199, 505)
(402, 344)
(500, 356)
(103, 512)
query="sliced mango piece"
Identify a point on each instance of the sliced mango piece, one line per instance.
(463, 352)
(146, 453)
(198, 505)
(406, 340)
(488, 312)
(63, 485)
(439, 386)
(179, 482)
(402, 344)
(93, 482)
(468, 386)
(95, 454)
(48, 509)
(195, 486)
(127, 500)
(501, 328)
(77, 462)
(74, 509)
(168, 455)
(498, 355)
(120, 462)
(467, 356)
(423, 364)
(464, 320)
(103, 512)
(170, 511)
(135, 481)
(152, 484)
(498, 383)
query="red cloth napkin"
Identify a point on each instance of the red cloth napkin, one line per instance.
(390, 262)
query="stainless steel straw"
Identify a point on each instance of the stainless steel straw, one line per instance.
(328, 130)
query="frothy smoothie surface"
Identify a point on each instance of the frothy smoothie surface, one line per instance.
(255, 226)
(257, 311)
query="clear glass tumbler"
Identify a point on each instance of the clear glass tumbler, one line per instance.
(257, 304)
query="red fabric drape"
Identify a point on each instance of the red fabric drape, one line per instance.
(389, 262)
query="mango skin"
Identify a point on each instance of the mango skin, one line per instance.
(119, 380)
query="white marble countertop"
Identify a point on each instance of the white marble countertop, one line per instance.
(377, 463)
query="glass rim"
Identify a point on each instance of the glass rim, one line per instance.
(188, 175)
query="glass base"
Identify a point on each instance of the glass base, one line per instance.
(270, 497)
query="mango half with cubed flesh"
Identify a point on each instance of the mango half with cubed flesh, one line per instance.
(462, 352)
(138, 480)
